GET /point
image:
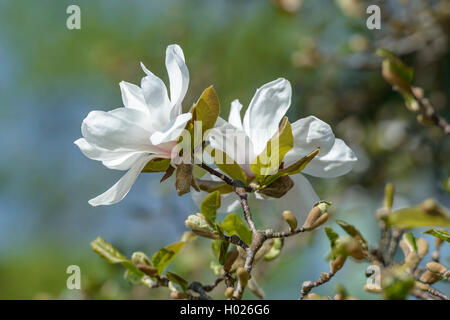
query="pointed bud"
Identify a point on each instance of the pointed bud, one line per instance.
(337, 263)
(422, 246)
(291, 220)
(198, 224)
(232, 256)
(243, 276)
(436, 267)
(229, 292)
(429, 277)
(317, 216)
(148, 270)
(140, 258)
(388, 196)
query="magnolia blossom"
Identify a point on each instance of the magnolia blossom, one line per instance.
(147, 127)
(244, 140)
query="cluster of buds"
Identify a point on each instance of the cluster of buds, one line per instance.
(317, 216)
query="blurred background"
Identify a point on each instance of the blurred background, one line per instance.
(51, 77)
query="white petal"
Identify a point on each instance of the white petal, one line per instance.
(178, 77)
(124, 162)
(120, 129)
(268, 106)
(155, 94)
(309, 133)
(133, 97)
(337, 162)
(235, 114)
(119, 190)
(96, 153)
(299, 199)
(172, 131)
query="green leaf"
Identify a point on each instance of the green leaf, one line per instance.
(352, 231)
(269, 161)
(112, 255)
(157, 165)
(417, 217)
(178, 280)
(332, 236)
(206, 109)
(216, 268)
(441, 234)
(164, 256)
(220, 248)
(275, 250)
(294, 168)
(232, 224)
(410, 240)
(228, 165)
(394, 70)
(209, 207)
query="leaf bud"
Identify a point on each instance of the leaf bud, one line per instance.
(291, 220)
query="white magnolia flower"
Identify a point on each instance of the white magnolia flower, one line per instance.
(244, 140)
(146, 128)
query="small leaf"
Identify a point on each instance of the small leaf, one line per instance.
(112, 255)
(178, 280)
(206, 110)
(441, 234)
(410, 241)
(211, 186)
(332, 236)
(198, 224)
(275, 250)
(395, 71)
(157, 165)
(417, 217)
(220, 248)
(232, 224)
(352, 231)
(209, 207)
(269, 161)
(278, 188)
(164, 256)
(294, 168)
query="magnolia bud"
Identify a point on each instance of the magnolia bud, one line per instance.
(148, 270)
(355, 249)
(243, 276)
(412, 259)
(178, 295)
(429, 277)
(291, 220)
(337, 263)
(317, 216)
(421, 286)
(429, 205)
(232, 256)
(198, 224)
(313, 215)
(229, 292)
(436, 267)
(140, 258)
(422, 247)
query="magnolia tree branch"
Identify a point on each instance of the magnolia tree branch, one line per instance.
(428, 112)
(309, 285)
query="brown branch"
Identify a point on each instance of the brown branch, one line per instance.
(270, 234)
(216, 173)
(393, 244)
(309, 285)
(428, 113)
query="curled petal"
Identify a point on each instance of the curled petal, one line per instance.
(133, 97)
(235, 115)
(120, 189)
(337, 162)
(172, 131)
(268, 106)
(178, 77)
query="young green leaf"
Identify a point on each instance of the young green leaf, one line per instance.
(178, 280)
(269, 161)
(332, 236)
(440, 234)
(352, 231)
(417, 217)
(164, 256)
(112, 255)
(275, 250)
(206, 109)
(209, 207)
(228, 165)
(157, 165)
(220, 248)
(232, 224)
